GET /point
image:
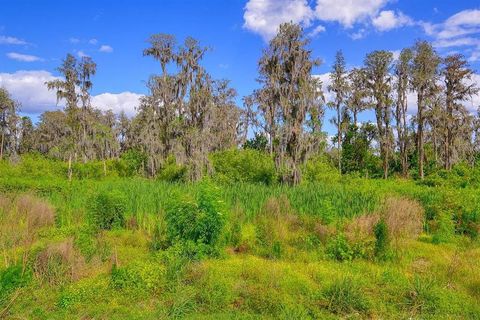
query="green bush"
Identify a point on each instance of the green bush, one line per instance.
(198, 221)
(173, 172)
(319, 170)
(130, 163)
(445, 228)
(247, 165)
(339, 249)
(382, 240)
(11, 278)
(107, 210)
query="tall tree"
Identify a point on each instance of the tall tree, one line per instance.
(289, 93)
(377, 68)
(358, 95)
(424, 78)
(458, 88)
(402, 77)
(339, 87)
(8, 124)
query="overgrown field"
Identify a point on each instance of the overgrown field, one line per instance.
(335, 247)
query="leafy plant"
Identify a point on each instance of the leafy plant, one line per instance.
(107, 210)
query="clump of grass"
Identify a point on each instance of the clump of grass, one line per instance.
(421, 297)
(345, 297)
(58, 263)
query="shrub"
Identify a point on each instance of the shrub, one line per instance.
(11, 278)
(339, 249)
(198, 221)
(345, 297)
(319, 170)
(130, 163)
(247, 165)
(107, 210)
(172, 172)
(381, 239)
(444, 229)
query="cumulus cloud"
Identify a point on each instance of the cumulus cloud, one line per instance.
(11, 40)
(317, 30)
(28, 87)
(348, 12)
(23, 57)
(264, 16)
(125, 101)
(461, 30)
(105, 48)
(93, 41)
(389, 19)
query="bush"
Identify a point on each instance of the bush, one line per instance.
(444, 229)
(173, 172)
(107, 210)
(319, 170)
(382, 240)
(339, 249)
(199, 222)
(247, 165)
(11, 278)
(130, 163)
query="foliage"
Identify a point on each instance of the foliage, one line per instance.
(382, 239)
(107, 210)
(247, 165)
(345, 297)
(196, 222)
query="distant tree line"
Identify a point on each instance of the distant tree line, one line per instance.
(187, 114)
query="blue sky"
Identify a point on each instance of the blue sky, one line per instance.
(36, 35)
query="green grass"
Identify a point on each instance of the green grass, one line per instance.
(273, 261)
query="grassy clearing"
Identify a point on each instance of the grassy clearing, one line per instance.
(305, 252)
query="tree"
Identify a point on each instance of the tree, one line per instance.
(8, 124)
(458, 88)
(377, 69)
(288, 95)
(187, 113)
(424, 78)
(358, 95)
(340, 88)
(402, 77)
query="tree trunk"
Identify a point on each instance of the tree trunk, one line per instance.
(420, 148)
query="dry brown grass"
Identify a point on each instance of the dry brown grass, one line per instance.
(277, 219)
(20, 220)
(38, 212)
(404, 219)
(58, 263)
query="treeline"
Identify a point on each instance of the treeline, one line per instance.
(187, 115)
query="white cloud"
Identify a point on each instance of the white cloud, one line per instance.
(460, 30)
(23, 57)
(105, 48)
(93, 41)
(74, 40)
(28, 87)
(82, 54)
(317, 30)
(389, 19)
(124, 101)
(348, 12)
(11, 40)
(360, 34)
(264, 16)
